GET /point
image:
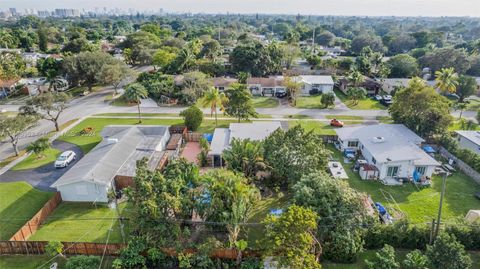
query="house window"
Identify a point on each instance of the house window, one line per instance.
(374, 161)
(392, 171)
(421, 170)
(352, 144)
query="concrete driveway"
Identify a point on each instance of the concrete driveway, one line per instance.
(42, 177)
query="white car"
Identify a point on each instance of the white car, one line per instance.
(65, 159)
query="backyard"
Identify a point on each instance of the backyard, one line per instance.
(40, 262)
(419, 205)
(19, 202)
(81, 222)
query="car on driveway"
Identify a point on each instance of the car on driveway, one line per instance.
(378, 97)
(65, 159)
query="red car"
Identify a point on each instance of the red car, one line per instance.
(336, 123)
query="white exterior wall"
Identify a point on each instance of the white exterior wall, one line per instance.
(467, 144)
(84, 192)
(323, 88)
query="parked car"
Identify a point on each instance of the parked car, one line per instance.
(386, 102)
(65, 159)
(378, 97)
(336, 123)
(387, 97)
(281, 93)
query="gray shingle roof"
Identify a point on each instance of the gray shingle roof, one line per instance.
(117, 154)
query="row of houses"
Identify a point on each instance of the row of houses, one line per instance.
(270, 86)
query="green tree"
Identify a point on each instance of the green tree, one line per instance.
(384, 259)
(54, 248)
(245, 156)
(289, 238)
(211, 50)
(325, 38)
(163, 58)
(415, 260)
(293, 153)
(192, 117)
(253, 58)
(446, 80)
(355, 94)
(39, 146)
(448, 253)
(331, 199)
(240, 103)
(135, 92)
(114, 74)
(421, 109)
(466, 86)
(194, 85)
(366, 40)
(355, 78)
(328, 99)
(84, 67)
(293, 88)
(48, 106)
(83, 262)
(402, 66)
(11, 65)
(461, 107)
(13, 128)
(216, 101)
(446, 58)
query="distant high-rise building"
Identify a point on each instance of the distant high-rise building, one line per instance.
(13, 11)
(66, 13)
(44, 13)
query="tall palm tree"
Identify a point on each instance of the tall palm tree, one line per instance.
(55, 83)
(135, 92)
(446, 80)
(216, 101)
(356, 78)
(293, 88)
(461, 107)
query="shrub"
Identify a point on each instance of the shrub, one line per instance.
(469, 157)
(399, 235)
(54, 248)
(384, 259)
(328, 99)
(192, 117)
(83, 262)
(415, 260)
(448, 253)
(39, 146)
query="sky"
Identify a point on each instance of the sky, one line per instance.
(311, 7)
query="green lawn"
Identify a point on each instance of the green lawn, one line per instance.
(322, 128)
(89, 141)
(462, 125)
(33, 161)
(309, 102)
(260, 211)
(83, 222)
(344, 117)
(121, 101)
(265, 102)
(419, 205)
(297, 117)
(11, 158)
(19, 202)
(365, 104)
(385, 119)
(40, 262)
(136, 114)
(76, 91)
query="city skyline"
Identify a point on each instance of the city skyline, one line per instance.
(425, 8)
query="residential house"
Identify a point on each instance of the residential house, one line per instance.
(469, 140)
(115, 158)
(370, 85)
(7, 87)
(316, 84)
(222, 137)
(222, 83)
(268, 86)
(31, 58)
(392, 150)
(390, 85)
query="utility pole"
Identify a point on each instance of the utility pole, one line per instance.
(313, 41)
(444, 183)
(432, 231)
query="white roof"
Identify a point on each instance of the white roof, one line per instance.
(323, 80)
(255, 131)
(473, 136)
(389, 143)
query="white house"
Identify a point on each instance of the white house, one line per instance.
(222, 137)
(266, 86)
(316, 84)
(92, 177)
(469, 140)
(393, 149)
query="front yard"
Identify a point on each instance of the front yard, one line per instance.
(365, 104)
(419, 205)
(82, 222)
(34, 161)
(265, 102)
(19, 202)
(309, 102)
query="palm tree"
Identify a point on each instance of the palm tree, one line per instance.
(461, 107)
(446, 80)
(135, 92)
(216, 101)
(356, 78)
(56, 82)
(293, 88)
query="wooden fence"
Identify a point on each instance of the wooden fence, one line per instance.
(192, 137)
(98, 249)
(70, 248)
(34, 223)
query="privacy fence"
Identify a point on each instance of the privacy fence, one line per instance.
(34, 223)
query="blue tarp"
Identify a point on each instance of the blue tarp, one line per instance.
(380, 208)
(416, 176)
(209, 137)
(349, 152)
(429, 149)
(276, 212)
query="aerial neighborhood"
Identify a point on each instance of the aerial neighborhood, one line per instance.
(135, 137)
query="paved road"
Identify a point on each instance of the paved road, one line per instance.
(42, 177)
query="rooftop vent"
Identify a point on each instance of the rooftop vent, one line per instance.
(378, 139)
